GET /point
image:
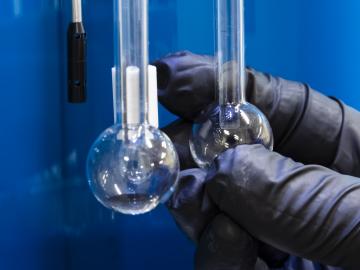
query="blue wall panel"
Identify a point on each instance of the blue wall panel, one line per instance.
(32, 210)
(50, 220)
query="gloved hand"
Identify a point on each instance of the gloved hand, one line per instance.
(309, 211)
(292, 108)
(222, 244)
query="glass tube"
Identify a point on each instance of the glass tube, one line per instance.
(133, 53)
(234, 121)
(150, 100)
(230, 58)
(115, 71)
(132, 166)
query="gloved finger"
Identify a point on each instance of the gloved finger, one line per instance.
(274, 258)
(224, 245)
(179, 132)
(309, 211)
(189, 204)
(193, 211)
(186, 83)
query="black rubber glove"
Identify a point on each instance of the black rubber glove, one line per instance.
(225, 246)
(193, 211)
(309, 211)
(180, 131)
(217, 236)
(219, 245)
(308, 126)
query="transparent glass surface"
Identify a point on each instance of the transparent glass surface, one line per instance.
(132, 170)
(133, 52)
(209, 139)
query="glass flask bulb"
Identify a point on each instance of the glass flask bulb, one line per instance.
(132, 166)
(132, 175)
(233, 121)
(209, 138)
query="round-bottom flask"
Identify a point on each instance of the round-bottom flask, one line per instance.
(132, 170)
(240, 124)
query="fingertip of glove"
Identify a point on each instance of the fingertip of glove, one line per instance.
(164, 68)
(189, 204)
(232, 162)
(225, 244)
(188, 188)
(163, 74)
(179, 132)
(229, 232)
(273, 257)
(216, 187)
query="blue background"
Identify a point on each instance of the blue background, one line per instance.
(49, 218)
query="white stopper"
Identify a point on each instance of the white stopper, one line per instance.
(132, 95)
(153, 97)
